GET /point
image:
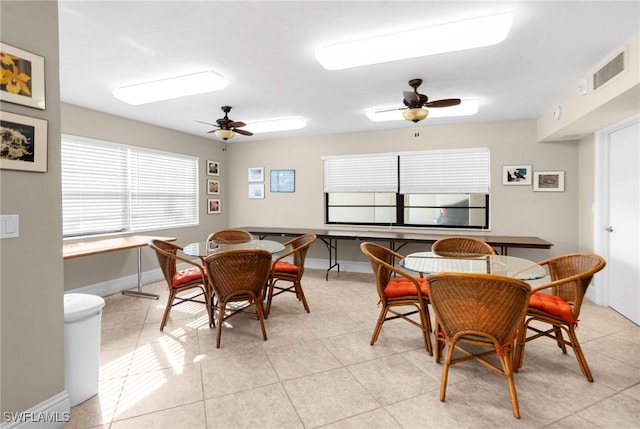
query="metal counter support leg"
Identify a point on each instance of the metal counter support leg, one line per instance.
(332, 247)
(139, 291)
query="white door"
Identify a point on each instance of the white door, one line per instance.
(623, 263)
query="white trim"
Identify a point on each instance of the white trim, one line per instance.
(56, 408)
(119, 284)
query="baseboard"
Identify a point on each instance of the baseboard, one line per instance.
(53, 413)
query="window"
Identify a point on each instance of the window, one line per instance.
(439, 188)
(114, 188)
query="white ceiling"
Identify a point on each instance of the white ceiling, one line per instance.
(266, 51)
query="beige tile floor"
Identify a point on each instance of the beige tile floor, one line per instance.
(318, 370)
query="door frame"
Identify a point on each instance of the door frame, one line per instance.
(600, 292)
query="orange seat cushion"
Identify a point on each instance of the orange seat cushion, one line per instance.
(285, 267)
(402, 286)
(186, 276)
(553, 305)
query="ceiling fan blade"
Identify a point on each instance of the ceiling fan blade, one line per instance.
(445, 102)
(243, 132)
(390, 109)
(411, 97)
(212, 131)
(204, 122)
(237, 124)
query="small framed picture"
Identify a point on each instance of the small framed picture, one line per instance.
(256, 174)
(516, 175)
(256, 190)
(24, 143)
(22, 77)
(283, 181)
(213, 187)
(213, 168)
(213, 206)
(548, 181)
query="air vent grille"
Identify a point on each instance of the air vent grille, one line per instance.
(609, 71)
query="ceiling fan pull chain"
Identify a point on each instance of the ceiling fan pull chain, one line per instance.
(416, 132)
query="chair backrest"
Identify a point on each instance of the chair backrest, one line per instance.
(230, 236)
(167, 257)
(299, 247)
(479, 304)
(381, 259)
(572, 274)
(233, 273)
(461, 246)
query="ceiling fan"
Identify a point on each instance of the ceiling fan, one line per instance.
(416, 103)
(227, 128)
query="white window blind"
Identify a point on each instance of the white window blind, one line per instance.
(361, 173)
(110, 188)
(451, 171)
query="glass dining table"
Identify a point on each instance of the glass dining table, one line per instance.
(205, 248)
(508, 266)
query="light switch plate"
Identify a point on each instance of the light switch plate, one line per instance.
(9, 226)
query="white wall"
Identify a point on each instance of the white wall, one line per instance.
(515, 210)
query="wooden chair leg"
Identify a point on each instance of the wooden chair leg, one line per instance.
(221, 310)
(507, 366)
(577, 350)
(378, 328)
(301, 297)
(167, 310)
(260, 311)
(445, 372)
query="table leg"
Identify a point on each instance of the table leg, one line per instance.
(139, 291)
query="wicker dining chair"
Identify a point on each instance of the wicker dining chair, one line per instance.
(230, 236)
(478, 315)
(179, 281)
(291, 272)
(559, 307)
(403, 290)
(461, 246)
(238, 276)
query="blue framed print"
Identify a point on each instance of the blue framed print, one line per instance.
(283, 180)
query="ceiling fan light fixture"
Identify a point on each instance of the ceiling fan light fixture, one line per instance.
(466, 107)
(415, 115)
(282, 124)
(174, 87)
(225, 134)
(455, 36)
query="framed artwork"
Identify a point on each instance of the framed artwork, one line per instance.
(22, 77)
(213, 187)
(213, 168)
(213, 206)
(256, 190)
(548, 181)
(24, 143)
(516, 175)
(283, 180)
(256, 174)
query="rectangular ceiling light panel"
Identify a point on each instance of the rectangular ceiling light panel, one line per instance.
(456, 36)
(166, 89)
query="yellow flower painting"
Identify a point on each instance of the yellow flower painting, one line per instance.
(16, 74)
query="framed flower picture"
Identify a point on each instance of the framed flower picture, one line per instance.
(213, 187)
(213, 168)
(22, 77)
(213, 206)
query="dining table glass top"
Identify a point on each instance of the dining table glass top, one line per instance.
(205, 248)
(502, 265)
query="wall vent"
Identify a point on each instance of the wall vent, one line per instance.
(609, 71)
